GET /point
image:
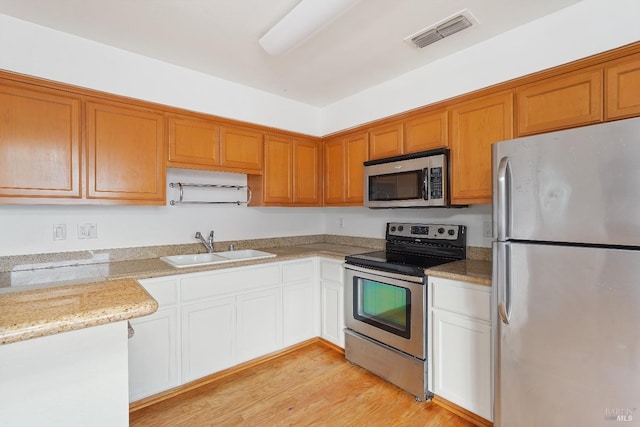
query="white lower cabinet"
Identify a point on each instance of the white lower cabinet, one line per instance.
(259, 319)
(300, 302)
(461, 339)
(332, 301)
(154, 349)
(208, 337)
(210, 321)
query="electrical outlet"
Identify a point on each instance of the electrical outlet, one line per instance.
(59, 231)
(487, 229)
(88, 230)
(341, 222)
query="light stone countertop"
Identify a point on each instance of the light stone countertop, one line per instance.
(468, 270)
(45, 301)
(48, 311)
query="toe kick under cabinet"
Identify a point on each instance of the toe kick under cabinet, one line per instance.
(210, 321)
(460, 347)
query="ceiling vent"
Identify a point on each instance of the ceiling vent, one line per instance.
(425, 37)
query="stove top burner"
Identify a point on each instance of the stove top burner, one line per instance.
(413, 247)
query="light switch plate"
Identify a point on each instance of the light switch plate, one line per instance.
(88, 230)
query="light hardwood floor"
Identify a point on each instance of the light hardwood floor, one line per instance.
(311, 386)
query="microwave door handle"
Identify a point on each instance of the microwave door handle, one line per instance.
(425, 184)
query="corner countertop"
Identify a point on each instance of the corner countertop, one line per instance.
(45, 301)
(40, 312)
(468, 270)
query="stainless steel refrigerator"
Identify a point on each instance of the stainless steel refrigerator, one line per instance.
(566, 276)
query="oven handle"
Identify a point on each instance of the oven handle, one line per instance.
(384, 273)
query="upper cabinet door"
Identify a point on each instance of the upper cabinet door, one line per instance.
(623, 88)
(386, 141)
(426, 132)
(307, 173)
(475, 125)
(357, 152)
(241, 148)
(334, 171)
(193, 142)
(40, 144)
(560, 102)
(278, 173)
(125, 150)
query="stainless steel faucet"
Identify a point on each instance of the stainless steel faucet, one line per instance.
(207, 244)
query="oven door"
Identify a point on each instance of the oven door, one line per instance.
(387, 307)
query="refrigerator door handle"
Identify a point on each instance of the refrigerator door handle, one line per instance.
(503, 213)
(503, 271)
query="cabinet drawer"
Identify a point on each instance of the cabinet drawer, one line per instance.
(225, 282)
(463, 298)
(164, 290)
(297, 271)
(331, 271)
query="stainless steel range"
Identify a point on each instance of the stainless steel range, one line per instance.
(386, 301)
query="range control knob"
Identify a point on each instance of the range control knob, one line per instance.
(441, 230)
(451, 232)
(393, 228)
(400, 228)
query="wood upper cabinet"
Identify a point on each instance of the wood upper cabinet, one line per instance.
(386, 141)
(475, 125)
(622, 80)
(426, 132)
(291, 173)
(241, 149)
(343, 169)
(561, 102)
(193, 142)
(125, 153)
(307, 173)
(40, 144)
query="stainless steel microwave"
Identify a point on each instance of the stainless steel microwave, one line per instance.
(408, 181)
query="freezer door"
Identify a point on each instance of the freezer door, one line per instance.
(580, 185)
(570, 352)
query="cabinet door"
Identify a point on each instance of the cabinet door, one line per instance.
(559, 103)
(307, 190)
(426, 132)
(125, 151)
(241, 149)
(306, 173)
(278, 173)
(386, 141)
(475, 125)
(153, 354)
(332, 307)
(357, 152)
(462, 362)
(334, 172)
(208, 337)
(298, 305)
(193, 142)
(39, 144)
(259, 323)
(622, 81)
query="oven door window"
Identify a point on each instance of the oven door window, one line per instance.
(397, 186)
(384, 306)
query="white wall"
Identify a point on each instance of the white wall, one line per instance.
(580, 30)
(39, 51)
(363, 222)
(28, 229)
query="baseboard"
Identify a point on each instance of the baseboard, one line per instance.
(461, 412)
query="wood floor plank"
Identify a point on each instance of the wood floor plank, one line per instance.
(311, 386)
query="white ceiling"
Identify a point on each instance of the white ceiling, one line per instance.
(361, 48)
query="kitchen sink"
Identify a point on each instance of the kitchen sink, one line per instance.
(193, 260)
